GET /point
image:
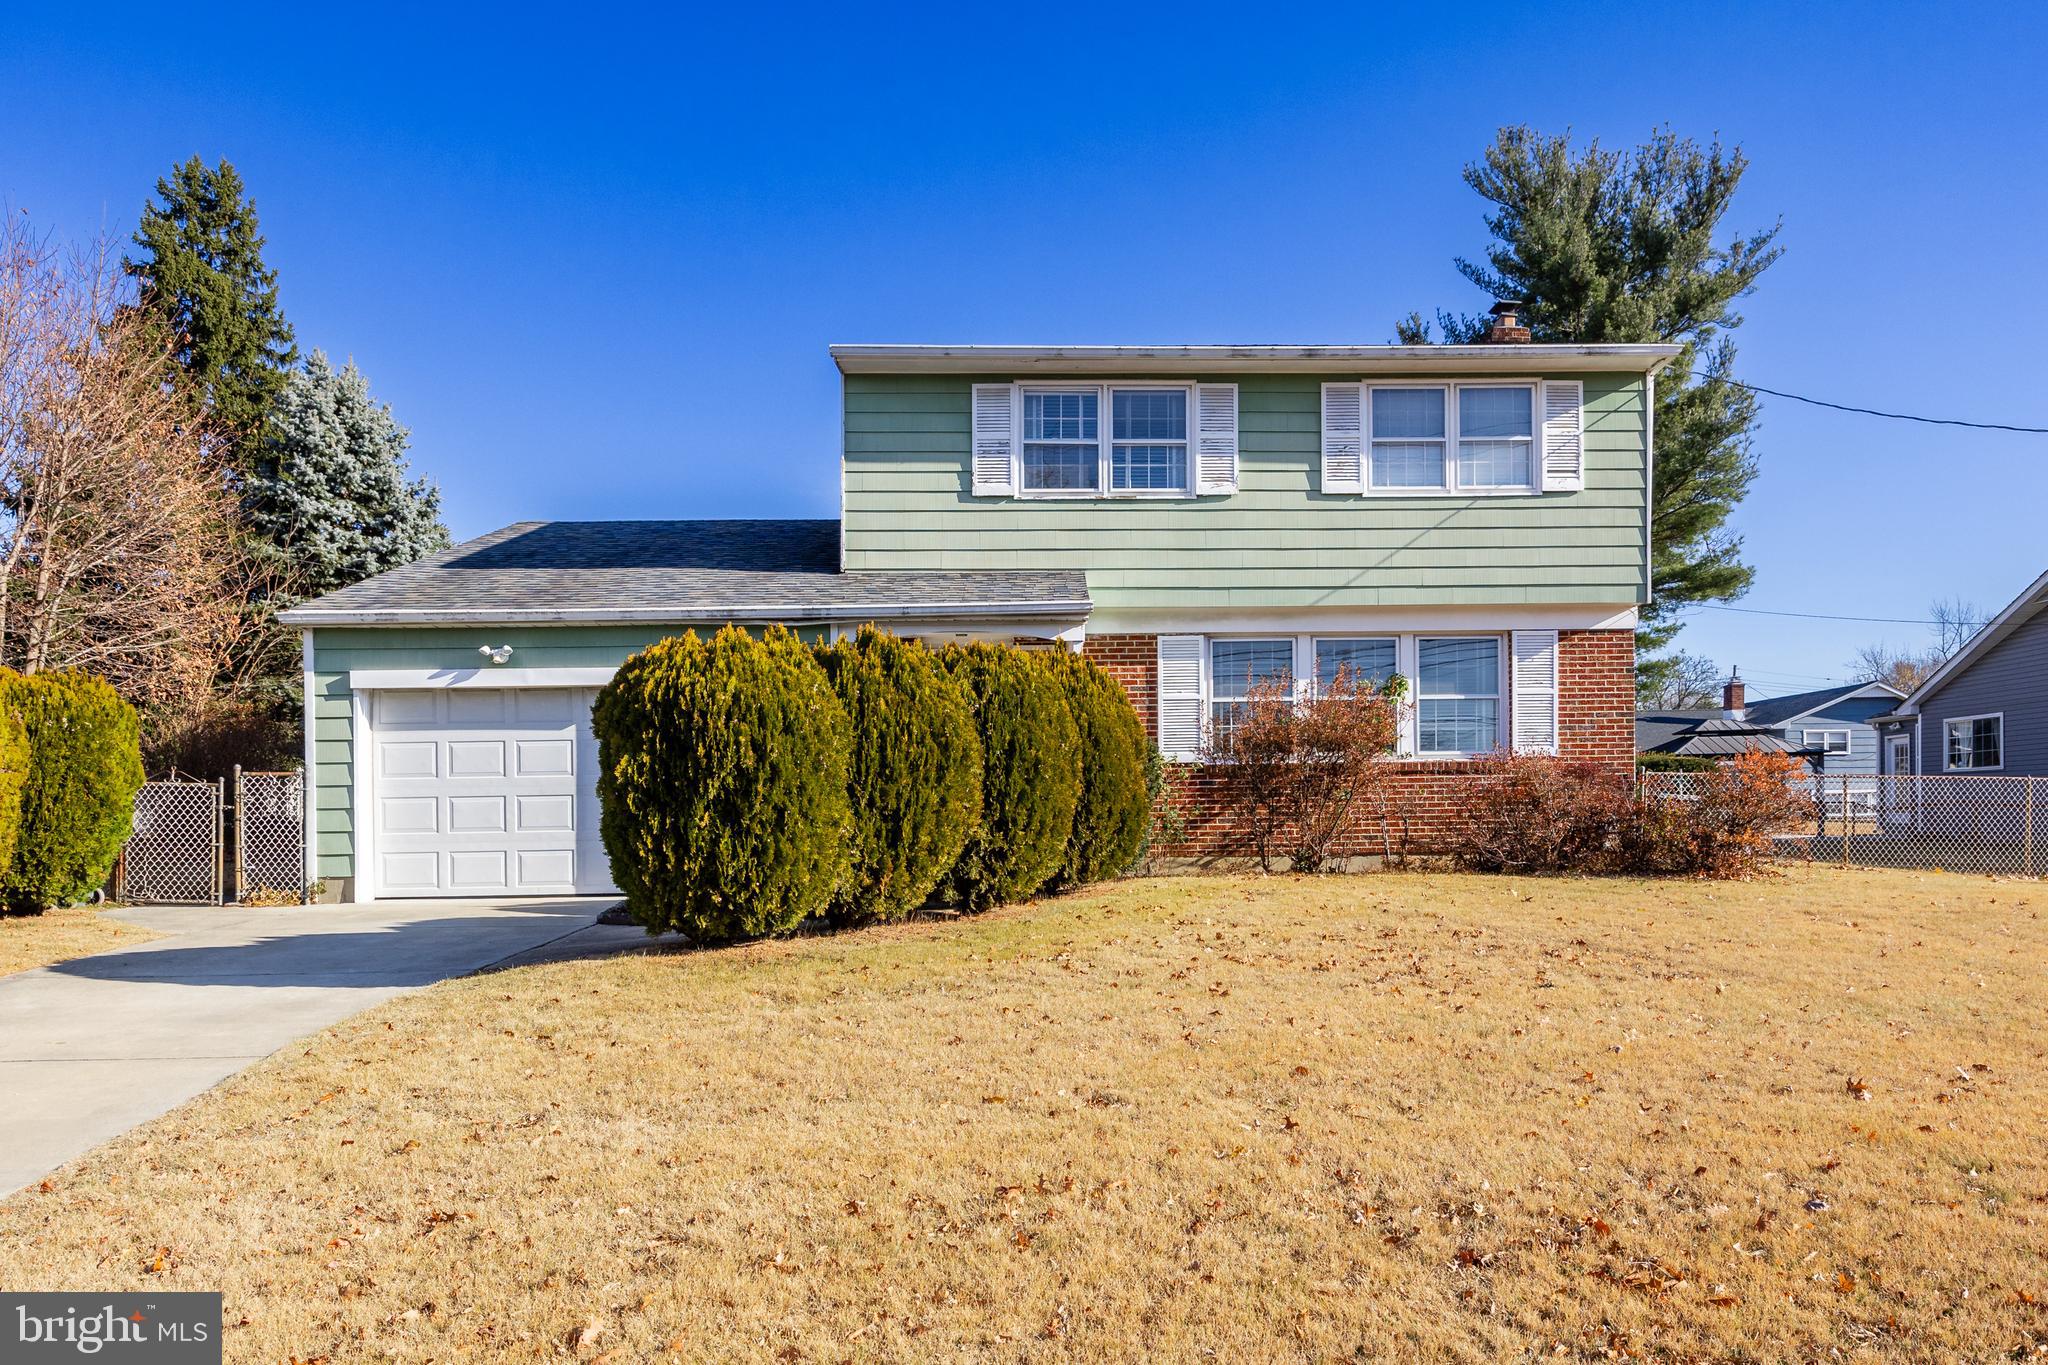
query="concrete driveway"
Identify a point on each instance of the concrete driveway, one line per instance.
(91, 1047)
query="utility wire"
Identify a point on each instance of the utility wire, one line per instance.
(1894, 416)
(1823, 616)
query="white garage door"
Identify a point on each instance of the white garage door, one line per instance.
(485, 793)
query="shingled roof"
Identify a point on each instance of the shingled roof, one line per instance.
(675, 571)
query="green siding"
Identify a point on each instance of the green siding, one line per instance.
(1276, 542)
(337, 651)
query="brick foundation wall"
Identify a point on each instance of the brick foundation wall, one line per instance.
(1596, 720)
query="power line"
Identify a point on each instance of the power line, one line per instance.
(1894, 416)
(1823, 616)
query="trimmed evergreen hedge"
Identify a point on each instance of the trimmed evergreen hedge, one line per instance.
(1114, 805)
(1030, 776)
(722, 780)
(913, 778)
(78, 793)
(15, 759)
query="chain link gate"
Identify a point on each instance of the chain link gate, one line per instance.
(270, 836)
(173, 857)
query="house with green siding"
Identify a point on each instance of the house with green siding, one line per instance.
(1196, 518)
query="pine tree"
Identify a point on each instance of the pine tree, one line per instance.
(1606, 247)
(201, 274)
(328, 493)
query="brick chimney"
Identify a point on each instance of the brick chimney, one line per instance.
(1507, 329)
(1731, 696)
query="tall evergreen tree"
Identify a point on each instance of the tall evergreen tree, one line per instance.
(328, 494)
(201, 274)
(1604, 247)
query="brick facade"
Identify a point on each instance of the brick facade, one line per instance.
(1596, 720)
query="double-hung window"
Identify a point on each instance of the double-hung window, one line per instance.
(1451, 438)
(1457, 694)
(1827, 741)
(1976, 742)
(1365, 662)
(1237, 666)
(1062, 441)
(1067, 448)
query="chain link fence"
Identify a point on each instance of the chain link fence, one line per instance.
(270, 836)
(199, 843)
(1953, 822)
(173, 857)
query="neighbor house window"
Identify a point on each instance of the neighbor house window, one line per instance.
(1370, 659)
(1496, 436)
(1480, 437)
(1237, 666)
(1062, 441)
(1408, 449)
(1142, 450)
(1827, 741)
(1457, 695)
(1976, 742)
(1148, 449)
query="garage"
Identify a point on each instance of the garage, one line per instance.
(477, 792)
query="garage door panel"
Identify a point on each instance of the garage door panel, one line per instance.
(550, 867)
(476, 758)
(546, 757)
(547, 815)
(476, 815)
(410, 815)
(545, 704)
(476, 708)
(408, 758)
(479, 869)
(417, 873)
(408, 708)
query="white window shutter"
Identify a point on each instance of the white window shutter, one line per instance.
(1564, 443)
(1535, 692)
(996, 418)
(1180, 696)
(1343, 438)
(1215, 438)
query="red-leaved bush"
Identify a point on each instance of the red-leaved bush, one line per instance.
(1722, 826)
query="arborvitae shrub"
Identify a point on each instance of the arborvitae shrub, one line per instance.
(77, 798)
(913, 778)
(1030, 776)
(722, 781)
(1111, 813)
(14, 769)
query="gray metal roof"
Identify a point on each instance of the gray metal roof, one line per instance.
(676, 571)
(1708, 734)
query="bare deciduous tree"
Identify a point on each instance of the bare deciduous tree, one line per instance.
(1952, 621)
(116, 547)
(1691, 682)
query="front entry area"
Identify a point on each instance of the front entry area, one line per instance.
(478, 792)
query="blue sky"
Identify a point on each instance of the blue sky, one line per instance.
(594, 261)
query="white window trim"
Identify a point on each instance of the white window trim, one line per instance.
(1806, 739)
(1407, 652)
(1105, 439)
(1454, 482)
(1499, 696)
(1948, 753)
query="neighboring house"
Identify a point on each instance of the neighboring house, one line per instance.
(1473, 517)
(1829, 727)
(1986, 709)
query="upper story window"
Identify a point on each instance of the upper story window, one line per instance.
(1976, 742)
(1452, 437)
(1066, 448)
(1827, 741)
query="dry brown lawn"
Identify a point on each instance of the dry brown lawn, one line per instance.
(58, 935)
(1397, 1117)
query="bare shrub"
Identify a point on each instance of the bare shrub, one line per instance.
(1532, 813)
(1292, 771)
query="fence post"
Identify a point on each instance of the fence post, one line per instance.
(1844, 817)
(2027, 860)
